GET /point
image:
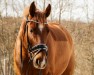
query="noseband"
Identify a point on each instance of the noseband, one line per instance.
(33, 50)
(36, 49)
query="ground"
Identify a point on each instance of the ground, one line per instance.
(82, 34)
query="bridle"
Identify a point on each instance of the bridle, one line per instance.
(32, 50)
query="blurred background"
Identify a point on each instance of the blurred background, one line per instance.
(77, 16)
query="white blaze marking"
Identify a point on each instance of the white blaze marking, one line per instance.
(41, 27)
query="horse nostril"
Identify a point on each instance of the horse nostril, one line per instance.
(31, 30)
(37, 62)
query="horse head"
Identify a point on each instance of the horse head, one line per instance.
(36, 33)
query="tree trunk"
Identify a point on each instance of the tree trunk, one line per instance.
(6, 7)
(44, 5)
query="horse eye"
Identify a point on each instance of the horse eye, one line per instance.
(31, 30)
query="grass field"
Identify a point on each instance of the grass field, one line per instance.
(82, 34)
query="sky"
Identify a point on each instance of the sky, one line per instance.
(78, 12)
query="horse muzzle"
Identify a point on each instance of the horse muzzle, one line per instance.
(40, 61)
(38, 54)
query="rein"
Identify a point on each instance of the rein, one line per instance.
(32, 49)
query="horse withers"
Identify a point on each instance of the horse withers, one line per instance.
(42, 47)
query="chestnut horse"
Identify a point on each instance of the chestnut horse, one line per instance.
(41, 47)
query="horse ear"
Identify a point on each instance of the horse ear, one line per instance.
(32, 9)
(48, 10)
